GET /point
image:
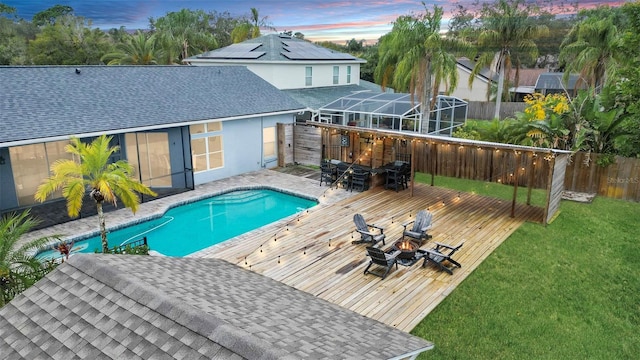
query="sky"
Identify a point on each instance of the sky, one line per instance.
(319, 20)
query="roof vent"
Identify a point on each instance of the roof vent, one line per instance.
(77, 71)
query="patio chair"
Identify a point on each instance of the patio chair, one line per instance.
(327, 173)
(421, 224)
(360, 180)
(394, 180)
(344, 175)
(366, 235)
(440, 256)
(379, 257)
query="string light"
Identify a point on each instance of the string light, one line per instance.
(245, 260)
(304, 251)
(278, 259)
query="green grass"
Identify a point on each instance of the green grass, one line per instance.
(500, 191)
(570, 290)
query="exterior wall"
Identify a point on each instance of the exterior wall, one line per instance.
(478, 92)
(8, 197)
(291, 75)
(242, 144)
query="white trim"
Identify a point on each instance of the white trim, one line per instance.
(413, 354)
(142, 128)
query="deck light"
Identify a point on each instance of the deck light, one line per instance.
(278, 259)
(260, 248)
(304, 251)
(329, 242)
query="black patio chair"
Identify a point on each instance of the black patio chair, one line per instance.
(380, 258)
(327, 173)
(360, 180)
(344, 175)
(394, 180)
(366, 233)
(421, 224)
(440, 256)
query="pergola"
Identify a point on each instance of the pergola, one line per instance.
(394, 111)
(518, 166)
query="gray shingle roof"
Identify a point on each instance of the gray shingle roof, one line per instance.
(49, 101)
(142, 307)
(554, 81)
(271, 47)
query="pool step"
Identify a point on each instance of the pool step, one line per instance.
(243, 196)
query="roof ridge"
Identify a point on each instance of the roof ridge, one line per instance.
(208, 325)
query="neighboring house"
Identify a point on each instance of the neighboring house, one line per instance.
(143, 307)
(178, 125)
(478, 90)
(287, 62)
(552, 83)
(526, 83)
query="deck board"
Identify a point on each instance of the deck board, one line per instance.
(332, 267)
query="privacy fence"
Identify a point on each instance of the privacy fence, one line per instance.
(620, 180)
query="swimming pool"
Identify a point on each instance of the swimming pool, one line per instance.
(188, 228)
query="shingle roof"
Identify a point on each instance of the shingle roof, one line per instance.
(49, 101)
(144, 307)
(271, 47)
(554, 81)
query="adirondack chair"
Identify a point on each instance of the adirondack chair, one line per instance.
(366, 233)
(421, 224)
(440, 254)
(380, 258)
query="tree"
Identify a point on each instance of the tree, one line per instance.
(106, 181)
(590, 49)
(415, 57)
(250, 28)
(18, 264)
(138, 49)
(51, 15)
(184, 32)
(506, 34)
(70, 41)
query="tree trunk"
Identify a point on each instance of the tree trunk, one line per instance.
(103, 228)
(426, 99)
(500, 87)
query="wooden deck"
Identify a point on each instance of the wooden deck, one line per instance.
(313, 252)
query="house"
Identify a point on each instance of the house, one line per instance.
(287, 62)
(178, 125)
(553, 83)
(478, 89)
(142, 307)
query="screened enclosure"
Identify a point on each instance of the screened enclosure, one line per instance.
(394, 111)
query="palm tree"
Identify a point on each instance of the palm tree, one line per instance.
(507, 33)
(18, 265)
(415, 57)
(249, 29)
(138, 49)
(106, 181)
(590, 50)
(185, 32)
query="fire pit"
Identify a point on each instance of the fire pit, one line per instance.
(407, 249)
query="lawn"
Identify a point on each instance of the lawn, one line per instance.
(570, 290)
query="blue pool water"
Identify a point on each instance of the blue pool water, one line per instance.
(188, 228)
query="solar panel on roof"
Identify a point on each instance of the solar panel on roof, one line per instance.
(236, 51)
(299, 50)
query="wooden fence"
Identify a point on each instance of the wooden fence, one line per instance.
(483, 110)
(620, 180)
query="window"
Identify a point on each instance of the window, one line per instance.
(308, 76)
(348, 74)
(269, 142)
(148, 153)
(206, 146)
(336, 75)
(31, 164)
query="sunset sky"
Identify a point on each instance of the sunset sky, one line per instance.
(334, 20)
